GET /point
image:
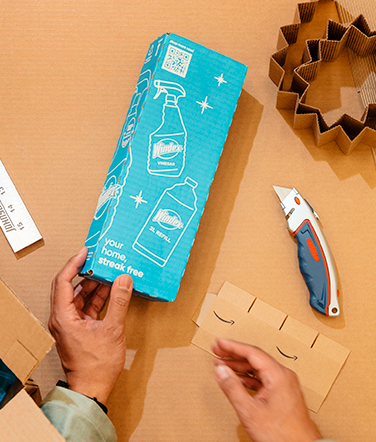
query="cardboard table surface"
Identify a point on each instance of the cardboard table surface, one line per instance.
(68, 71)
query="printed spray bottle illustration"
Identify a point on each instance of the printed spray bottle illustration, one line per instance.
(119, 169)
(167, 144)
(167, 223)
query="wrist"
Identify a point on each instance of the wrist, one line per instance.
(100, 404)
(88, 387)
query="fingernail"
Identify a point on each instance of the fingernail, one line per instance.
(221, 372)
(77, 290)
(82, 251)
(125, 282)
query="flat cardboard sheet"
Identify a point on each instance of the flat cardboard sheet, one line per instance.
(236, 314)
(68, 75)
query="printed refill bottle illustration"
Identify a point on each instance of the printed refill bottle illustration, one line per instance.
(167, 223)
(167, 144)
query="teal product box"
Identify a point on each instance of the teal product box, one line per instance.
(158, 182)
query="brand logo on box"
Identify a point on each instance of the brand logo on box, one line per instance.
(105, 197)
(166, 149)
(168, 219)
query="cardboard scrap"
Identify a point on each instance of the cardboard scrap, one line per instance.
(236, 314)
(347, 131)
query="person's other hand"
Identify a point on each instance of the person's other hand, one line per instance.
(277, 412)
(92, 351)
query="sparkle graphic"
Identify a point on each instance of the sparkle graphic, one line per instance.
(138, 199)
(204, 105)
(220, 80)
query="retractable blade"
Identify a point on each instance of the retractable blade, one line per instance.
(315, 258)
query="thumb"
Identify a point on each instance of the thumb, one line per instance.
(233, 388)
(120, 296)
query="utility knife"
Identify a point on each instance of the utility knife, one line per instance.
(315, 259)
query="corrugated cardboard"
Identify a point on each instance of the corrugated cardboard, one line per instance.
(236, 314)
(159, 179)
(23, 344)
(348, 130)
(68, 74)
(22, 421)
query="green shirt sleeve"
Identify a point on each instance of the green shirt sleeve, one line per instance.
(77, 417)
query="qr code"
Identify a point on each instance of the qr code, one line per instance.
(176, 61)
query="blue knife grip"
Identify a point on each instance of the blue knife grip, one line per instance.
(313, 267)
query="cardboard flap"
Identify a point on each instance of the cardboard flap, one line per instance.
(22, 361)
(330, 349)
(23, 340)
(32, 426)
(315, 358)
(237, 296)
(299, 331)
(272, 316)
(203, 308)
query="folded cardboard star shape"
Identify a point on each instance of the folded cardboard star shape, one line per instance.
(347, 131)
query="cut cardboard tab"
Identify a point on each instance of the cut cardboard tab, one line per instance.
(316, 359)
(270, 315)
(237, 296)
(347, 131)
(299, 331)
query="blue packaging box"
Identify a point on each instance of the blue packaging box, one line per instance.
(158, 182)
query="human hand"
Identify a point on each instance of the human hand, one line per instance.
(92, 351)
(277, 412)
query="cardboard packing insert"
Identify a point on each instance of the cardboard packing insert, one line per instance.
(237, 314)
(23, 344)
(357, 37)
